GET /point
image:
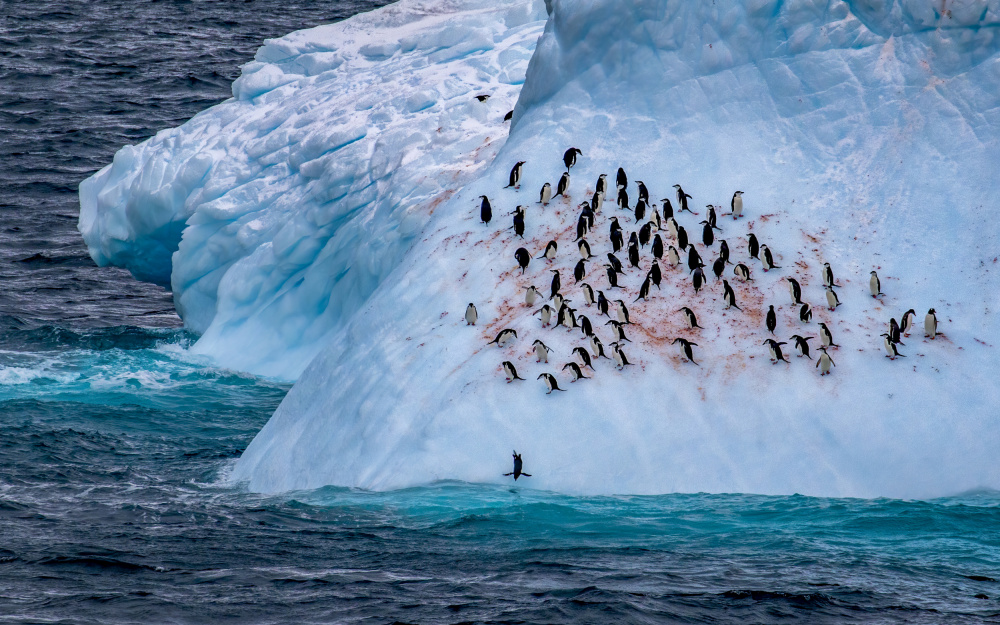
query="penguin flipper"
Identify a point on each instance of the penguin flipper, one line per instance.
(511, 473)
(523, 474)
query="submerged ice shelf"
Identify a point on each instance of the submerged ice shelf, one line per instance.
(331, 209)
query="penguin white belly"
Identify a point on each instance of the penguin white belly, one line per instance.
(930, 326)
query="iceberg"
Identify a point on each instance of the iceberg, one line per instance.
(317, 226)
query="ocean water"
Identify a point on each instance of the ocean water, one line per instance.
(115, 442)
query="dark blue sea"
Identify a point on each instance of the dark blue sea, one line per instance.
(115, 442)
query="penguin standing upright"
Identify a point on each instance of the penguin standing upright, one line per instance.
(825, 362)
(654, 274)
(768, 260)
(588, 293)
(930, 324)
(875, 285)
(532, 294)
(724, 251)
(580, 270)
(563, 184)
(622, 179)
(485, 210)
(805, 313)
(729, 295)
(892, 352)
(682, 200)
(736, 204)
(802, 345)
(640, 210)
(691, 318)
(657, 247)
(666, 208)
(597, 347)
(621, 360)
(471, 315)
(698, 279)
(546, 194)
(645, 233)
(794, 290)
(622, 198)
(826, 336)
(519, 221)
(707, 235)
(753, 247)
(894, 331)
(556, 283)
(584, 248)
(550, 251)
(515, 175)
(906, 322)
(541, 350)
(682, 238)
(569, 157)
(828, 275)
(643, 192)
(673, 258)
(771, 320)
(831, 298)
(546, 313)
(602, 184)
(718, 267)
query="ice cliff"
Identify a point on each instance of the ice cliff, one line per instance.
(328, 215)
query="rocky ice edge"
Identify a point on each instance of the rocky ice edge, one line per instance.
(863, 135)
(275, 215)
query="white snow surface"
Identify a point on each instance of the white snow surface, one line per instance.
(864, 134)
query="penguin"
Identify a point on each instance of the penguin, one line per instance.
(768, 261)
(519, 222)
(531, 295)
(633, 255)
(711, 218)
(584, 357)
(569, 157)
(485, 210)
(471, 315)
(698, 279)
(622, 198)
(633, 239)
(729, 295)
(517, 468)
(645, 233)
(550, 251)
(640, 211)
(580, 270)
(775, 348)
(597, 347)
(597, 202)
(724, 251)
(667, 208)
(550, 382)
(563, 185)
(557, 301)
(805, 313)
(718, 267)
(575, 368)
(622, 179)
(566, 317)
(482, 97)
(602, 304)
(892, 352)
(509, 116)
(828, 275)
(582, 227)
(602, 184)
(643, 290)
(586, 327)
(522, 257)
(615, 226)
(691, 319)
(682, 238)
(546, 312)
(831, 298)
(694, 259)
(742, 272)
(930, 324)
(619, 331)
(515, 175)
(588, 213)
(541, 350)
(826, 336)
(643, 192)
(794, 290)
(657, 247)
(686, 349)
(875, 285)
(736, 205)
(707, 235)
(505, 335)
(894, 331)
(802, 345)
(546, 194)
(510, 372)
(656, 220)
(682, 200)
(556, 283)
(617, 240)
(673, 258)
(622, 312)
(584, 248)
(655, 274)
(621, 360)
(771, 320)
(615, 263)
(672, 227)
(906, 322)
(825, 362)
(588, 293)
(612, 277)
(753, 246)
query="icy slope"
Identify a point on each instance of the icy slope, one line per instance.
(274, 215)
(865, 137)
(864, 134)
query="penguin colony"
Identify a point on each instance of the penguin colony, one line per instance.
(595, 294)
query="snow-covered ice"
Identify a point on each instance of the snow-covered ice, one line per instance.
(864, 134)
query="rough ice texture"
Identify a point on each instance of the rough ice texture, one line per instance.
(864, 134)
